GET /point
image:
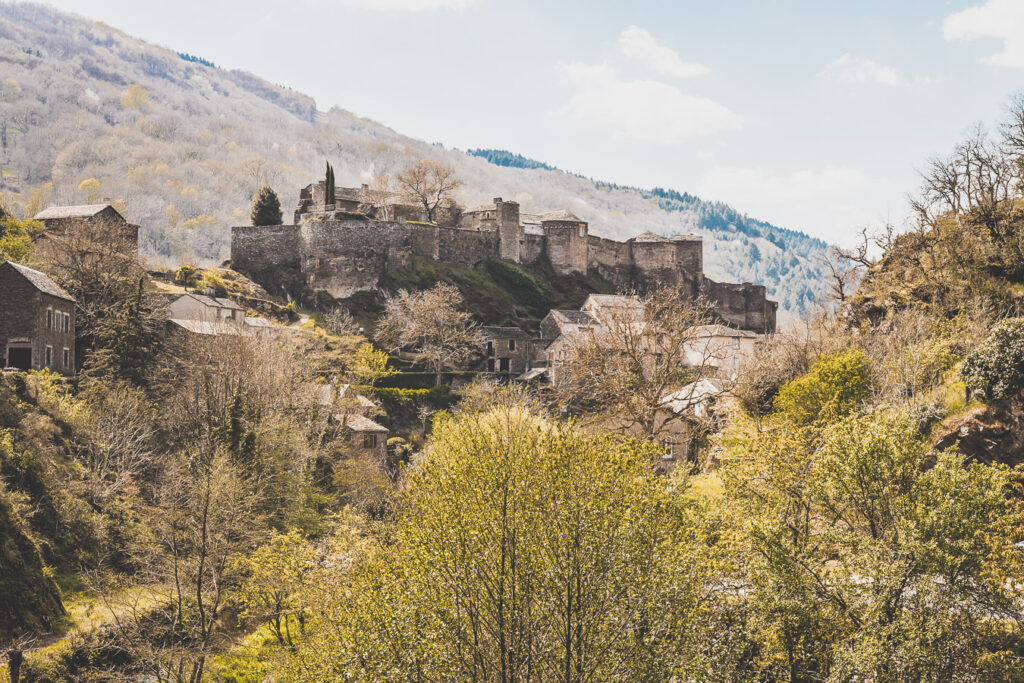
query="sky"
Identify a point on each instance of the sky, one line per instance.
(814, 115)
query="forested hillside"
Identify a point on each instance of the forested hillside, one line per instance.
(89, 112)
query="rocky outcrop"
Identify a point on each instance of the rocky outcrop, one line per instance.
(991, 433)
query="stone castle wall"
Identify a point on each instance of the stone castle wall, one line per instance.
(342, 257)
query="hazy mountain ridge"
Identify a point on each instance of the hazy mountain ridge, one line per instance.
(186, 159)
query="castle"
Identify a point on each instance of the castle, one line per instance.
(334, 249)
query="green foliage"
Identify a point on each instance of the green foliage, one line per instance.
(16, 237)
(266, 207)
(186, 276)
(863, 552)
(524, 546)
(291, 309)
(213, 281)
(835, 385)
(996, 366)
(370, 365)
(126, 341)
(329, 190)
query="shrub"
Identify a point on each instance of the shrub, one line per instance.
(292, 311)
(835, 385)
(214, 282)
(186, 275)
(996, 366)
(266, 207)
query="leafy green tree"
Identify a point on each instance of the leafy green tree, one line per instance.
(126, 340)
(863, 552)
(329, 190)
(276, 574)
(16, 237)
(996, 366)
(266, 207)
(370, 365)
(524, 549)
(834, 386)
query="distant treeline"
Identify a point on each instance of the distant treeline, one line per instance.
(502, 157)
(198, 60)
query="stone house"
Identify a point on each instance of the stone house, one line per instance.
(206, 315)
(365, 435)
(37, 321)
(723, 348)
(64, 219)
(507, 349)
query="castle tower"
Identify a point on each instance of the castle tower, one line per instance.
(510, 230)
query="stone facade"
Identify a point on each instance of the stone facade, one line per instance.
(506, 349)
(37, 321)
(335, 253)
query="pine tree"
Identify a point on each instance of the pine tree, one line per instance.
(266, 207)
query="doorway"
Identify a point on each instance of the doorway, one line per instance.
(19, 357)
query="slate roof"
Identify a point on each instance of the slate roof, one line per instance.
(575, 317)
(358, 423)
(351, 194)
(216, 301)
(79, 211)
(648, 236)
(204, 326)
(560, 215)
(496, 332)
(722, 331)
(40, 281)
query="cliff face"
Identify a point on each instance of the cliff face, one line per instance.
(991, 433)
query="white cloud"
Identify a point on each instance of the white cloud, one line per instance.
(826, 202)
(1000, 19)
(849, 68)
(643, 109)
(410, 5)
(637, 44)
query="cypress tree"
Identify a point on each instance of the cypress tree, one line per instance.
(266, 207)
(329, 194)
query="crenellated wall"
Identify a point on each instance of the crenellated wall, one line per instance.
(743, 305)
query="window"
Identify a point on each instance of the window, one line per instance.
(735, 342)
(503, 365)
(369, 440)
(582, 229)
(511, 344)
(490, 348)
(49, 356)
(67, 322)
(49, 318)
(67, 358)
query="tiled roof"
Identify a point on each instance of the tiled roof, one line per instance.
(80, 211)
(40, 281)
(358, 423)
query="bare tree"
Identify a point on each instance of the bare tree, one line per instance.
(642, 352)
(429, 184)
(432, 325)
(379, 195)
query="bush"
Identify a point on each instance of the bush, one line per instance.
(835, 385)
(215, 282)
(266, 207)
(186, 276)
(996, 367)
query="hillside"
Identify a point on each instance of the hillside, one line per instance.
(90, 112)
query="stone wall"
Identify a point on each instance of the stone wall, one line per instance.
(743, 305)
(532, 247)
(469, 248)
(566, 246)
(510, 230)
